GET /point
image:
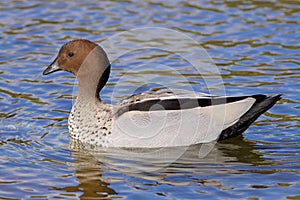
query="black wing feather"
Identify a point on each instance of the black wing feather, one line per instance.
(180, 104)
(260, 106)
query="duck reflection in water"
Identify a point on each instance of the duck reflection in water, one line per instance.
(92, 162)
(89, 174)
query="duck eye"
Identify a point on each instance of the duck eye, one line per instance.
(70, 54)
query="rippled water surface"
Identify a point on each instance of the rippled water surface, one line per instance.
(255, 46)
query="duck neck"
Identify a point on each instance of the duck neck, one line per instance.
(87, 93)
(89, 88)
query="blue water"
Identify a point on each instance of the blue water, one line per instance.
(152, 44)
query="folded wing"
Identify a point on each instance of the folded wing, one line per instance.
(159, 118)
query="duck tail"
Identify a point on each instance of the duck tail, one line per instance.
(261, 105)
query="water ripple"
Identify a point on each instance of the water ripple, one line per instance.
(254, 44)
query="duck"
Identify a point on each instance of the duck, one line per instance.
(152, 119)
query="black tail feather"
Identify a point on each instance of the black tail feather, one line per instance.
(261, 105)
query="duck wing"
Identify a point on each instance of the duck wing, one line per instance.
(169, 100)
(201, 117)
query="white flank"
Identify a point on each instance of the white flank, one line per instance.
(166, 128)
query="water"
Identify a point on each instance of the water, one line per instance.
(254, 45)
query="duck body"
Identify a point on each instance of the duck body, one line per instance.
(151, 119)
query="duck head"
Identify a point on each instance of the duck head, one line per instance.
(86, 60)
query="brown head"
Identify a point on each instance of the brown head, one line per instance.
(86, 60)
(72, 55)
